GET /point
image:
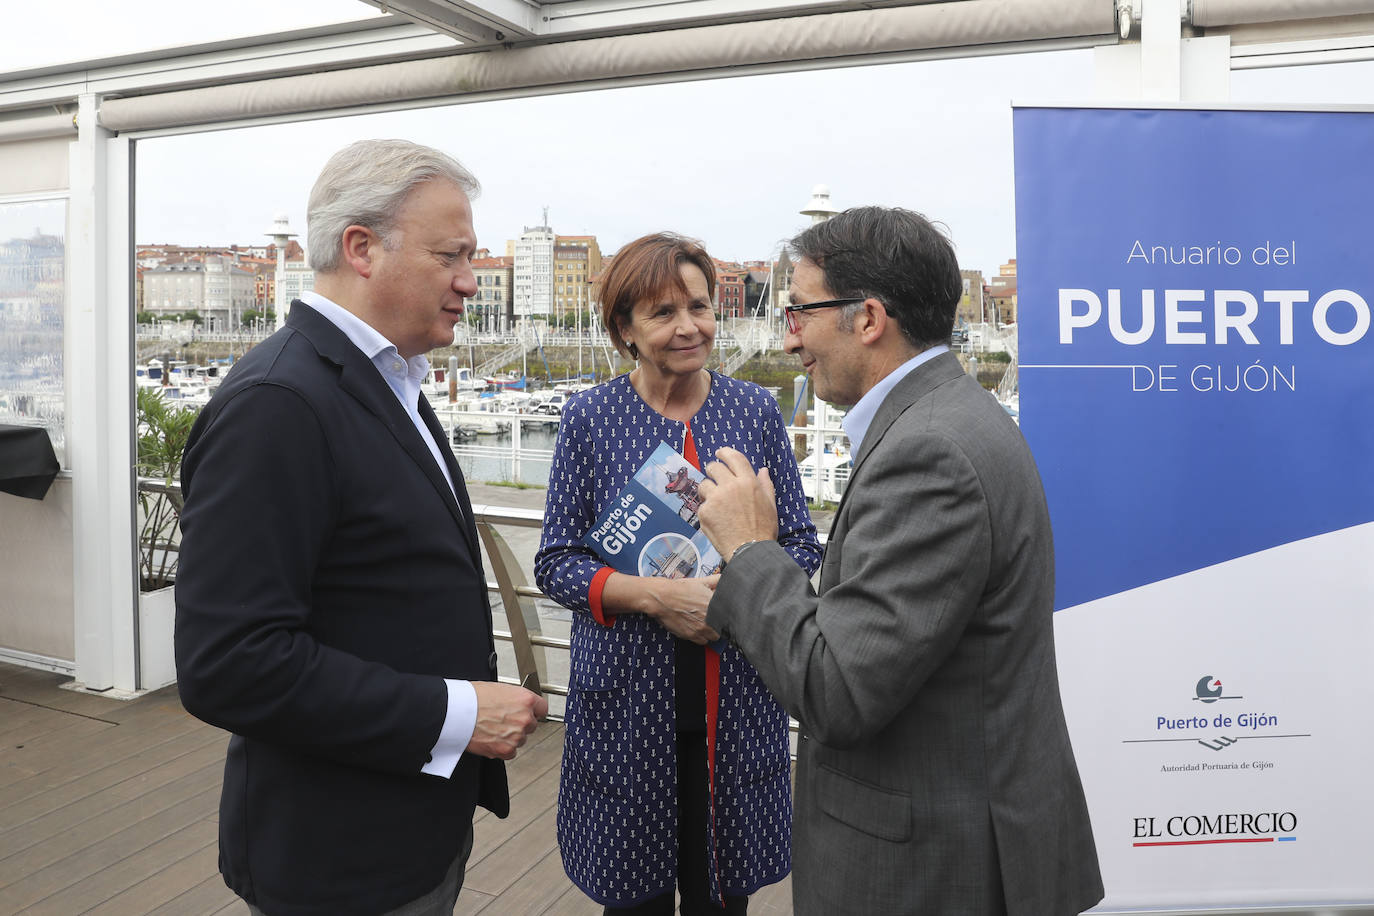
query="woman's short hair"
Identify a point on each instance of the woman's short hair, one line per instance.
(648, 268)
(366, 184)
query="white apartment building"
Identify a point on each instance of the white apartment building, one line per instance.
(533, 293)
(217, 289)
(174, 288)
(229, 293)
(291, 282)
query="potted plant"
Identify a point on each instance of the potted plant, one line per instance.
(163, 429)
(162, 433)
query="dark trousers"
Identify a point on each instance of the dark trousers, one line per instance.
(438, 902)
(693, 820)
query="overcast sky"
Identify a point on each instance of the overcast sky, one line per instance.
(731, 161)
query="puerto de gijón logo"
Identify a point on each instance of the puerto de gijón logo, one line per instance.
(1209, 690)
(1176, 728)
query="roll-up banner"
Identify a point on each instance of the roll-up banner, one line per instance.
(1197, 385)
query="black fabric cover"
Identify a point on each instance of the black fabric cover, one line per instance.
(27, 461)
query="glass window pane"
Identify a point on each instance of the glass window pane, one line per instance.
(33, 295)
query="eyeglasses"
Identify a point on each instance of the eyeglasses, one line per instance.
(789, 312)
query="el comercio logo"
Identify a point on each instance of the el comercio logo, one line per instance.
(1214, 829)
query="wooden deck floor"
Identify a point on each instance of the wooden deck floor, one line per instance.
(108, 807)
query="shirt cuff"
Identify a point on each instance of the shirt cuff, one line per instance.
(594, 597)
(459, 722)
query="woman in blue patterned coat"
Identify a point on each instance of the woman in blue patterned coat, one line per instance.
(675, 765)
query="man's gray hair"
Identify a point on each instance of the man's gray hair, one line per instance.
(365, 184)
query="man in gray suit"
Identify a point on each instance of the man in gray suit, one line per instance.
(934, 771)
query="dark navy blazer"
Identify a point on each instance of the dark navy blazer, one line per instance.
(328, 582)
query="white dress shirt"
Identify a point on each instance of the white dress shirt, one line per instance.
(404, 377)
(857, 420)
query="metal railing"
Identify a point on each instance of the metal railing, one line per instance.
(524, 629)
(515, 341)
(509, 354)
(518, 596)
(751, 337)
(824, 469)
(179, 335)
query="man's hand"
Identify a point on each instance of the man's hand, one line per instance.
(506, 715)
(738, 506)
(680, 606)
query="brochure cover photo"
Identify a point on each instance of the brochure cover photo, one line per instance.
(651, 527)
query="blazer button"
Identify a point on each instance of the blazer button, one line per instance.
(491, 662)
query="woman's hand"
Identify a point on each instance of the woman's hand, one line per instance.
(680, 606)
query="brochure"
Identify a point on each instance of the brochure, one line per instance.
(651, 527)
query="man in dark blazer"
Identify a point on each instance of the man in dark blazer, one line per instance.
(934, 771)
(332, 610)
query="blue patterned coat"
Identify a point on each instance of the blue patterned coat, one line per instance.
(617, 798)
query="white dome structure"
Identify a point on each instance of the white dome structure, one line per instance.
(820, 208)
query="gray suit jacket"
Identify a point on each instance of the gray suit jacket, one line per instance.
(934, 773)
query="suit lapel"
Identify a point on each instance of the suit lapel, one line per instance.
(360, 378)
(469, 522)
(460, 489)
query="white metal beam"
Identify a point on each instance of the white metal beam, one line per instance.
(1301, 53)
(239, 60)
(485, 22)
(1161, 34)
(100, 404)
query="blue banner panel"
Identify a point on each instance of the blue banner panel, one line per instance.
(1196, 362)
(1196, 384)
